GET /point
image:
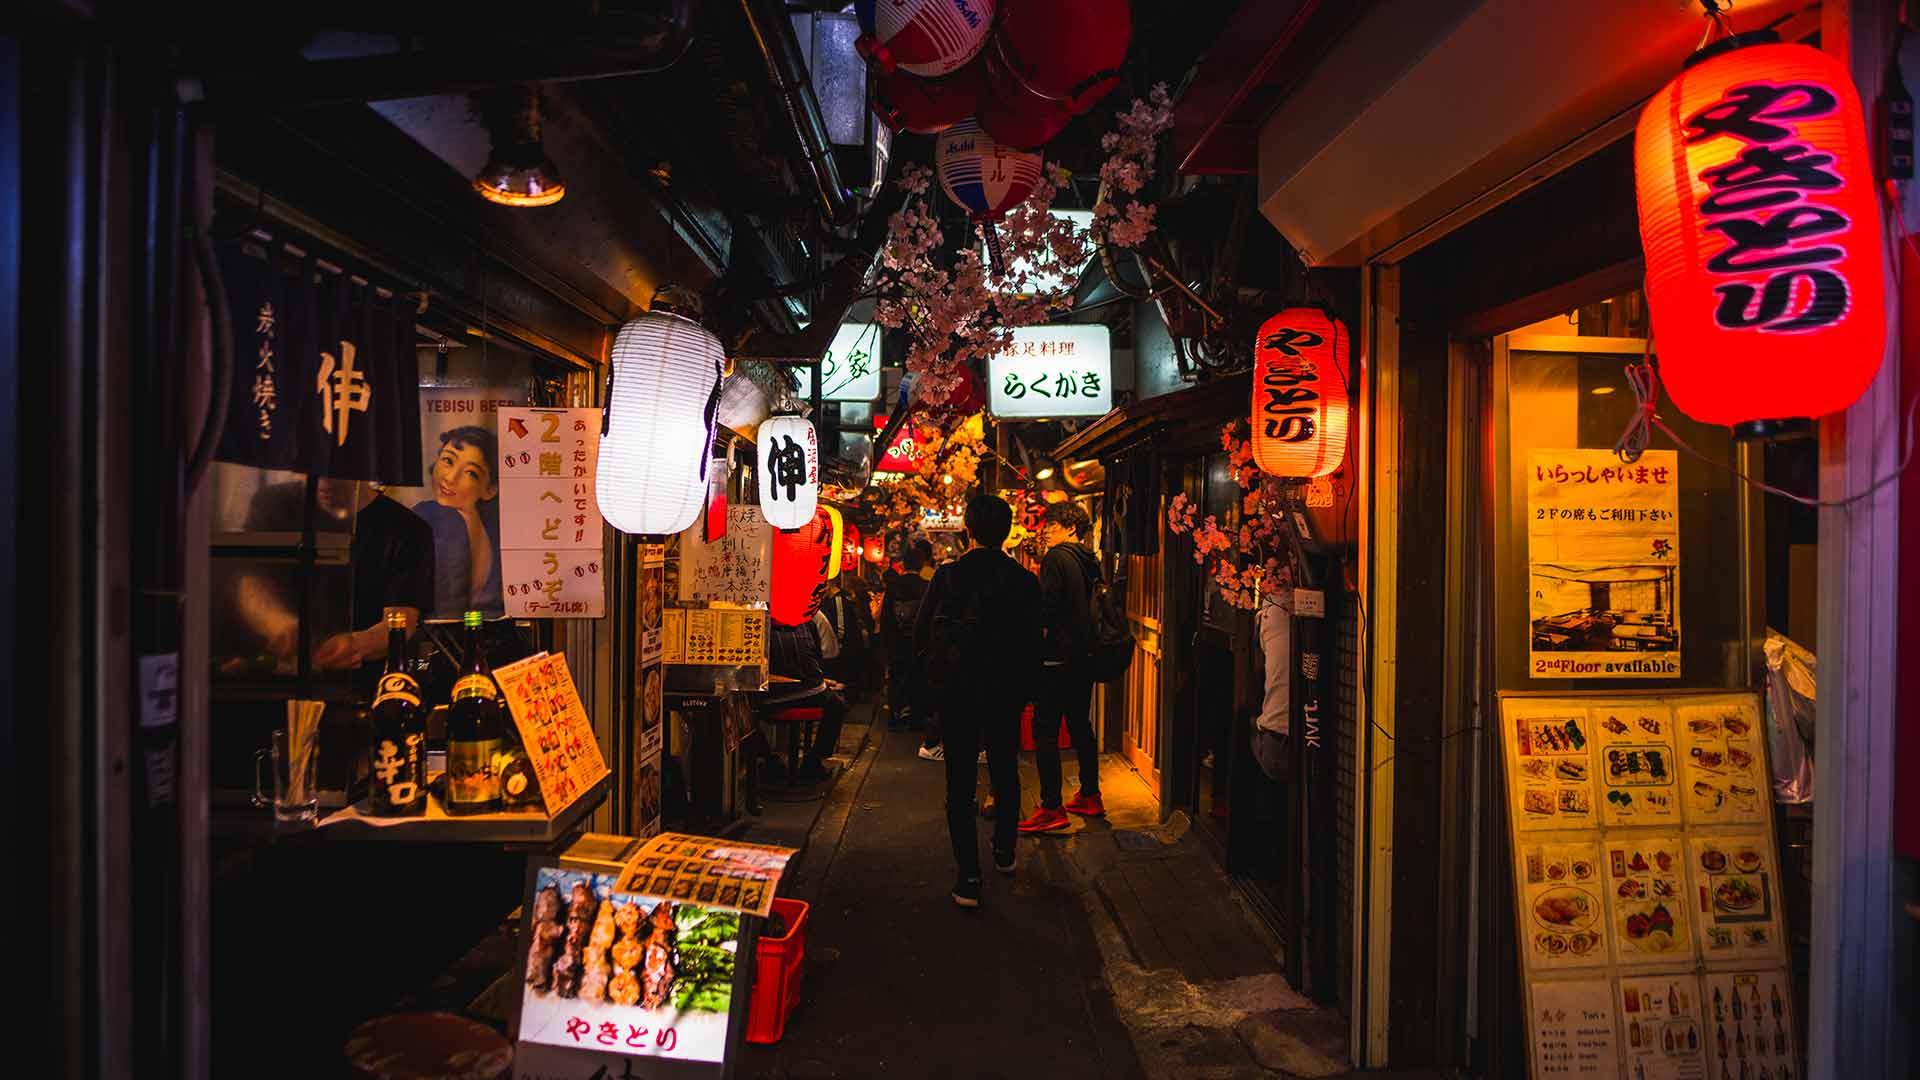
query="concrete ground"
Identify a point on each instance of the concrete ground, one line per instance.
(1117, 950)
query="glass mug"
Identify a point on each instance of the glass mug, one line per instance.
(295, 796)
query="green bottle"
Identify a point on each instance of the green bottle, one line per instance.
(475, 732)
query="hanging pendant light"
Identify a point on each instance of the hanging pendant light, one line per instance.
(1762, 234)
(663, 386)
(1300, 393)
(789, 471)
(518, 171)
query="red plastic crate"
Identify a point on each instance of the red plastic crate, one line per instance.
(778, 964)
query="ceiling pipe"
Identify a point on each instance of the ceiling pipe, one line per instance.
(773, 34)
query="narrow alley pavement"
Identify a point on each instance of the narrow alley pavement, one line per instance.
(1116, 950)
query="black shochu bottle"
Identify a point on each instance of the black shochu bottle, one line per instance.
(399, 751)
(474, 733)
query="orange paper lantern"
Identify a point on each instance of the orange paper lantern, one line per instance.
(1300, 393)
(799, 573)
(850, 548)
(1762, 234)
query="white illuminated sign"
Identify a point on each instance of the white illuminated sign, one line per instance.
(850, 370)
(1053, 371)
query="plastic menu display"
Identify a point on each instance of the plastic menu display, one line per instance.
(1573, 1029)
(1639, 776)
(1749, 1016)
(1550, 752)
(1665, 1039)
(1723, 761)
(1564, 922)
(1648, 900)
(1736, 895)
(554, 727)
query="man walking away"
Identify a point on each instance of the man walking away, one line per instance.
(1067, 573)
(977, 637)
(899, 607)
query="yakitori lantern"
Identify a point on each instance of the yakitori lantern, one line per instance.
(837, 541)
(789, 471)
(924, 37)
(850, 547)
(1300, 393)
(924, 106)
(876, 549)
(799, 571)
(985, 178)
(1761, 228)
(1068, 51)
(663, 383)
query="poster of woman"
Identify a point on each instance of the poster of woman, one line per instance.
(461, 498)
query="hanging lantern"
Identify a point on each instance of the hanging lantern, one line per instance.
(924, 106)
(662, 386)
(835, 542)
(1761, 229)
(789, 471)
(985, 178)
(1300, 393)
(923, 37)
(1065, 51)
(876, 549)
(799, 571)
(1018, 117)
(850, 547)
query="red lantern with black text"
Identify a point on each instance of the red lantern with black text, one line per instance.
(876, 552)
(1300, 393)
(1762, 233)
(850, 548)
(799, 572)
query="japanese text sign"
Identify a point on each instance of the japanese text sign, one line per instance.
(719, 874)
(737, 569)
(906, 454)
(551, 551)
(554, 727)
(1052, 371)
(850, 370)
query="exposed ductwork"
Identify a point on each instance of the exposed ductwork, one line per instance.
(773, 35)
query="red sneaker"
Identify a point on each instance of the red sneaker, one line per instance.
(1085, 805)
(1045, 820)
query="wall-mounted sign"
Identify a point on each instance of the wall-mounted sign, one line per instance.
(734, 570)
(850, 370)
(1052, 371)
(906, 455)
(551, 550)
(1603, 554)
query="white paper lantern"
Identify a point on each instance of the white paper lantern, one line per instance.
(653, 455)
(789, 471)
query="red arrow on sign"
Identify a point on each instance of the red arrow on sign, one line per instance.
(518, 427)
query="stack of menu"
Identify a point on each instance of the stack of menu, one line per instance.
(1647, 887)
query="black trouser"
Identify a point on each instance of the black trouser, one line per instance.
(902, 695)
(968, 727)
(1066, 693)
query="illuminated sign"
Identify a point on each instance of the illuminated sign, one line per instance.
(1052, 371)
(850, 370)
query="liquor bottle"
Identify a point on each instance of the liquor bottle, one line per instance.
(399, 750)
(474, 731)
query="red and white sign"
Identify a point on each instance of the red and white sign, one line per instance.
(551, 557)
(906, 455)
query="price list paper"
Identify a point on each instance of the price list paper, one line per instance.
(554, 727)
(551, 558)
(1573, 1029)
(1750, 1017)
(719, 874)
(1639, 775)
(736, 569)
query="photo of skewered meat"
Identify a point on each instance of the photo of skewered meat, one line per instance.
(594, 970)
(624, 988)
(544, 937)
(657, 970)
(567, 970)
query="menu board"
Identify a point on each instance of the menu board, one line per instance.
(1573, 1029)
(1647, 898)
(551, 557)
(719, 874)
(1723, 761)
(1565, 919)
(1666, 1039)
(1550, 753)
(1736, 893)
(554, 727)
(1639, 775)
(1750, 1014)
(735, 569)
(716, 636)
(1645, 866)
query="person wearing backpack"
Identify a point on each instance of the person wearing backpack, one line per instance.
(977, 637)
(1069, 574)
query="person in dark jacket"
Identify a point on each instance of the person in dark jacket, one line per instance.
(1002, 601)
(794, 652)
(1067, 574)
(899, 606)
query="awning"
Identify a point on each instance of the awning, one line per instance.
(1185, 420)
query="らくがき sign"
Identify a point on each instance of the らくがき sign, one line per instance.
(1052, 371)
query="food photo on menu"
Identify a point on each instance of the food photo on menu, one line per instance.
(1565, 916)
(1725, 767)
(626, 973)
(1733, 885)
(1648, 895)
(1554, 770)
(1636, 764)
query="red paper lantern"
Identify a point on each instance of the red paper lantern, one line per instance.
(1068, 51)
(906, 102)
(1300, 393)
(1761, 229)
(876, 549)
(923, 37)
(850, 548)
(1018, 117)
(799, 573)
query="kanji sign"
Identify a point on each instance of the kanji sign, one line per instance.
(1052, 371)
(551, 559)
(850, 370)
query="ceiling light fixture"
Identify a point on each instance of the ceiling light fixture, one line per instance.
(518, 171)
(1045, 473)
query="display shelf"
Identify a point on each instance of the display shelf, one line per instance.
(520, 828)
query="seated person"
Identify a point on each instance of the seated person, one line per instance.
(794, 651)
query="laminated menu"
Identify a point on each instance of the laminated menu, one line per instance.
(1563, 918)
(1749, 1016)
(1647, 898)
(1736, 896)
(721, 874)
(1634, 759)
(554, 727)
(1573, 1029)
(1665, 1039)
(1723, 761)
(1550, 751)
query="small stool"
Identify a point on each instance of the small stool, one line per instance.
(799, 721)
